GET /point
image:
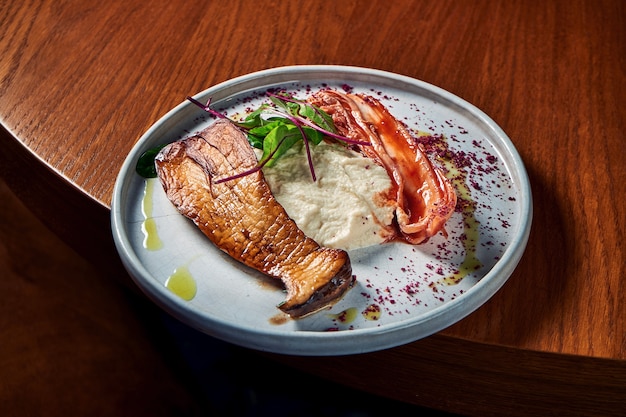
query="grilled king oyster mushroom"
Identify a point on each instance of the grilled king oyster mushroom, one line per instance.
(242, 218)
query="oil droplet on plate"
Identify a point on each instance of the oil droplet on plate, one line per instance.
(346, 316)
(182, 283)
(372, 312)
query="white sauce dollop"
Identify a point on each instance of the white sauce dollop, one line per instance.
(344, 208)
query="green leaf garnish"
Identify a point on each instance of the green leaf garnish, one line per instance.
(145, 164)
(278, 141)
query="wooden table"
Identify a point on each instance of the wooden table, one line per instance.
(81, 80)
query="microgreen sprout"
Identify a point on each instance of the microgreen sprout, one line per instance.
(288, 120)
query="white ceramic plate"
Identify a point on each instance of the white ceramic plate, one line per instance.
(403, 292)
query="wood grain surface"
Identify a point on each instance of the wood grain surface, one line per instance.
(80, 81)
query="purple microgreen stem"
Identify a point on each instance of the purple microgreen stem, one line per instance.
(258, 167)
(240, 175)
(206, 107)
(292, 99)
(309, 158)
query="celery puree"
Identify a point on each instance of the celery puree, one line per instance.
(345, 207)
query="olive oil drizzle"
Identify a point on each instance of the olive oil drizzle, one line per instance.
(346, 316)
(372, 312)
(471, 227)
(151, 240)
(182, 283)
